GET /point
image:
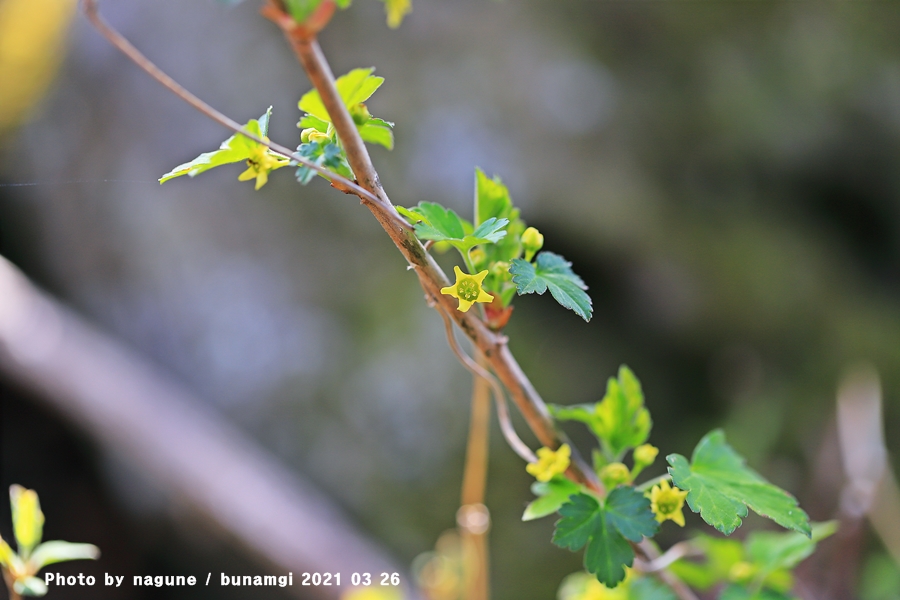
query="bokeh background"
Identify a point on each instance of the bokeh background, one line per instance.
(724, 175)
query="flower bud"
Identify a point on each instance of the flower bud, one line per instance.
(360, 113)
(477, 256)
(319, 137)
(645, 455)
(304, 135)
(615, 474)
(500, 269)
(532, 241)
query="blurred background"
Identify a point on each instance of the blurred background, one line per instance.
(725, 176)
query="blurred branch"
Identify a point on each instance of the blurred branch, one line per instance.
(138, 413)
(871, 489)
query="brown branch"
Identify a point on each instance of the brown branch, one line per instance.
(432, 278)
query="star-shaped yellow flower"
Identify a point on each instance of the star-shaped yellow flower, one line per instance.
(667, 502)
(259, 163)
(550, 463)
(468, 289)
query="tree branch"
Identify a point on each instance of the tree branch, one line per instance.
(431, 277)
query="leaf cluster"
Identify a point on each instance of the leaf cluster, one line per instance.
(28, 526)
(760, 568)
(620, 421)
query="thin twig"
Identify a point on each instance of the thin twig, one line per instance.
(506, 426)
(648, 553)
(679, 550)
(128, 49)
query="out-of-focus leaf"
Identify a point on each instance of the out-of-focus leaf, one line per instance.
(396, 10)
(552, 494)
(30, 586)
(59, 551)
(28, 520)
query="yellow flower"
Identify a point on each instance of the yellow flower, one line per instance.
(468, 289)
(550, 463)
(259, 163)
(667, 502)
(615, 474)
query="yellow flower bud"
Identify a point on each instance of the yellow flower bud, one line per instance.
(532, 241)
(741, 572)
(645, 455)
(319, 137)
(615, 474)
(304, 135)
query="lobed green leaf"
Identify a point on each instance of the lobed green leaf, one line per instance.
(602, 530)
(443, 225)
(721, 488)
(553, 272)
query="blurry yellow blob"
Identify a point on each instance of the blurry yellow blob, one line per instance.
(32, 34)
(372, 594)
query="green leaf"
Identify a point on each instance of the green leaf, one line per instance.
(444, 225)
(301, 9)
(376, 134)
(552, 272)
(59, 551)
(310, 121)
(356, 86)
(330, 156)
(620, 421)
(647, 588)
(552, 495)
(235, 149)
(342, 4)
(737, 592)
(629, 511)
(721, 555)
(491, 198)
(585, 523)
(721, 488)
(28, 520)
(772, 550)
(30, 586)
(396, 10)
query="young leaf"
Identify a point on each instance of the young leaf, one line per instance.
(444, 225)
(237, 148)
(721, 487)
(325, 155)
(553, 494)
(30, 586)
(301, 9)
(28, 520)
(356, 86)
(552, 272)
(59, 551)
(771, 550)
(377, 134)
(586, 523)
(620, 421)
